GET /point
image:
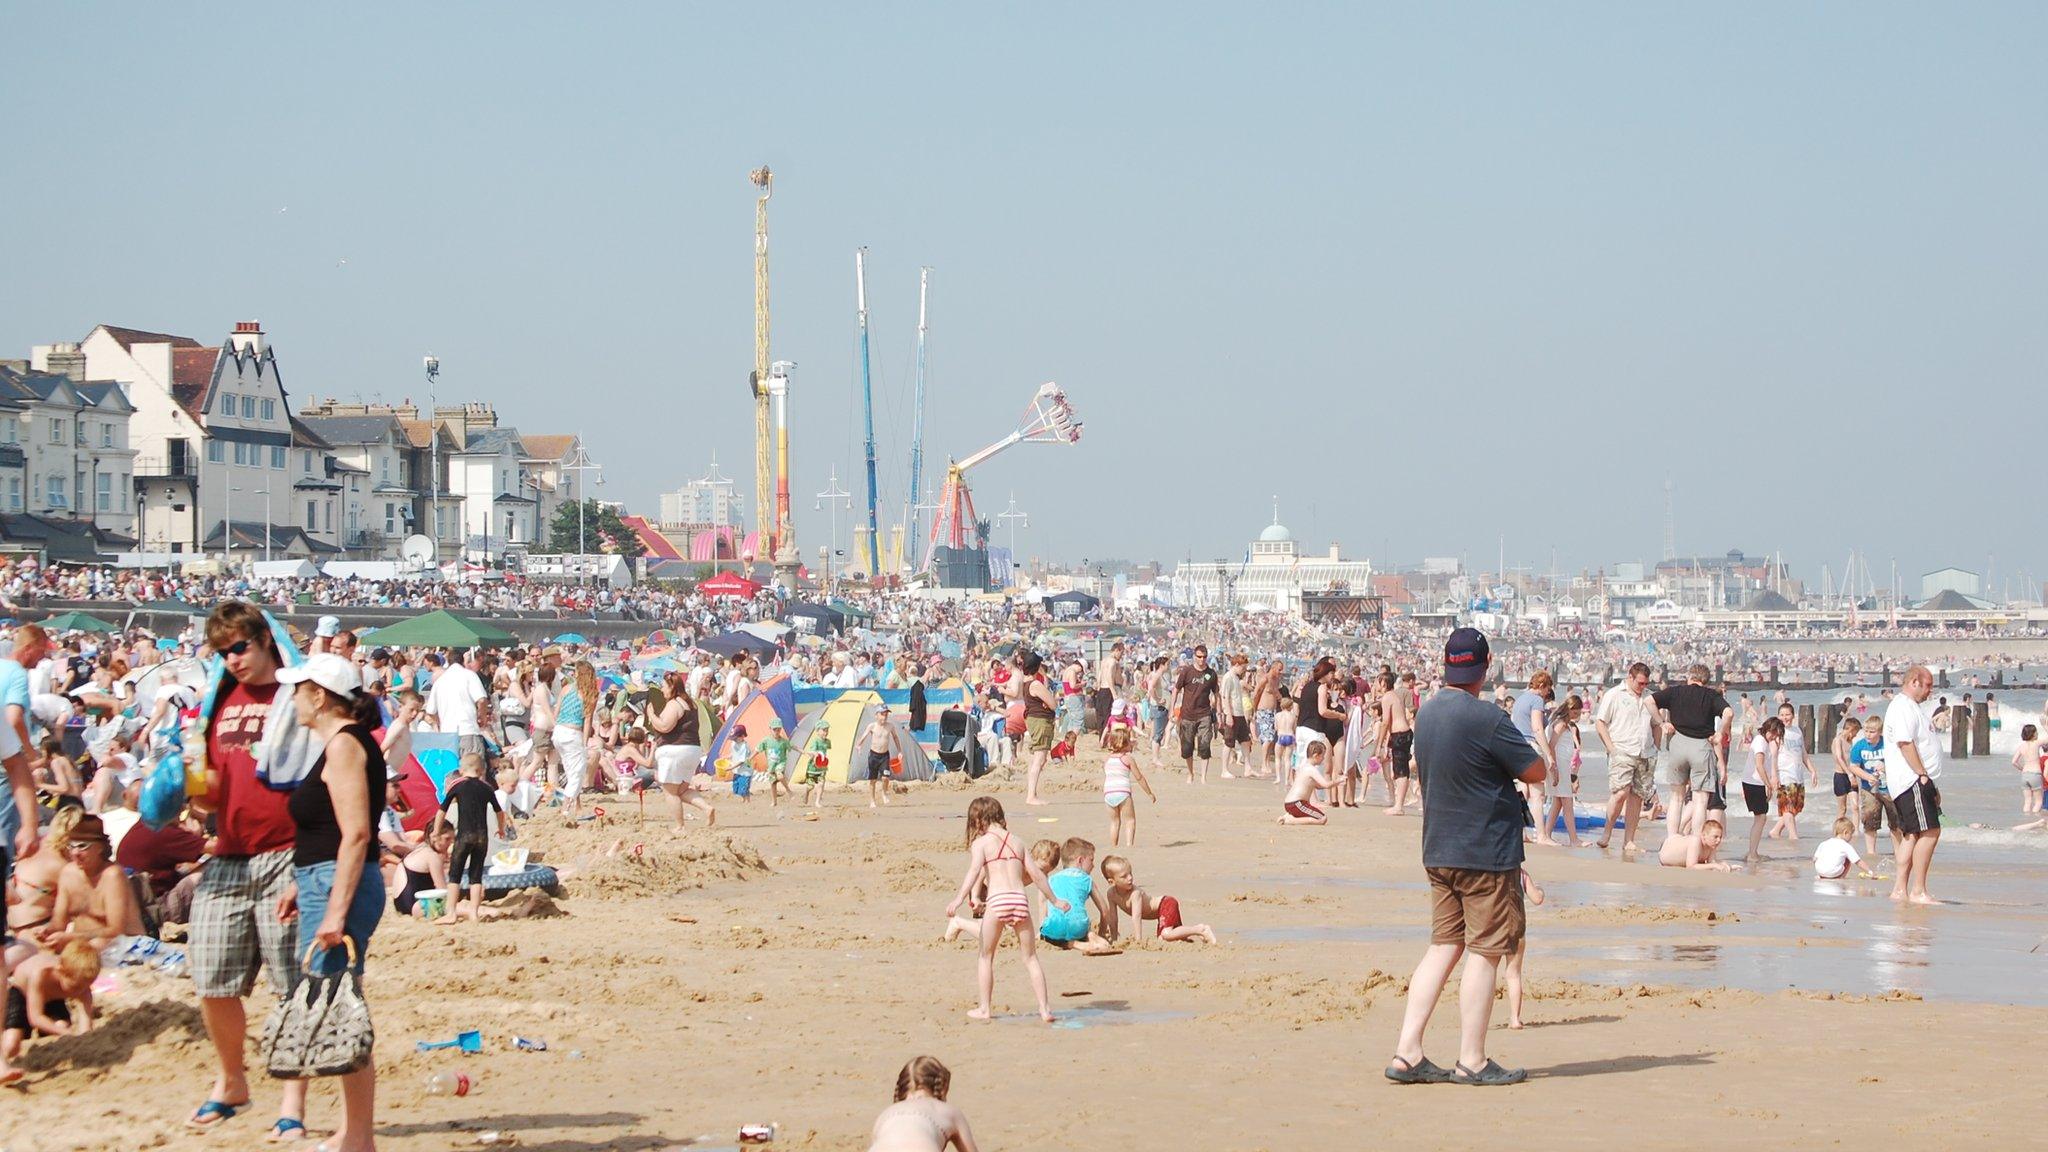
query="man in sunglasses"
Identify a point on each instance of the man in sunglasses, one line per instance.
(239, 910)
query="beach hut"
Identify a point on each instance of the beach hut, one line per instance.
(848, 717)
(772, 701)
(440, 629)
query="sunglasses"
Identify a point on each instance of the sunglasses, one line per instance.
(235, 649)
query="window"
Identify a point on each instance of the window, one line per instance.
(14, 493)
(226, 405)
(248, 407)
(241, 452)
(57, 498)
(510, 533)
(306, 461)
(216, 453)
(390, 518)
(270, 409)
(277, 457)
(330, 515)
(312, 514)
(383, 467)
(504, 479)
(37, 494)
(106, 435)
(103, 497)
(56, 431)
(7, 430)
(121, 489)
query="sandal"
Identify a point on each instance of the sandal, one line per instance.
(213, 1114)
(1420, 1072)
(287, 1128)
(1488, 1076)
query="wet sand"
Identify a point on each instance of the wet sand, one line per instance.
(783, 970)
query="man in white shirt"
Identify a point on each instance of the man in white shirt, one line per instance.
(457, 701)
(1626, 721)
(1912, 762)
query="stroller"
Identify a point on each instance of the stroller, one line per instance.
(959, 750)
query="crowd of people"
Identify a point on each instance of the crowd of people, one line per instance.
(1329, 717)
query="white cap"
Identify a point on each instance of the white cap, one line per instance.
(329, 627)
(328, 671)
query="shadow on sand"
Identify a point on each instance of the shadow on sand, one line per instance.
(1620, 1064)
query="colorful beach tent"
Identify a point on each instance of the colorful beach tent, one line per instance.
(440, 629)
(939, 696)
(847, 718)
(730, 584)
(775, 700)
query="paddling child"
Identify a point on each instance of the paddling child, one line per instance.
(1511, 964)
(1284, 723)
(1297, 808)
(1845, 785)
(1696, 849)
(992, 854)
(1117, 773)
(1833, 859)
(2027, 759)
(1126, 897)
(920, 1120)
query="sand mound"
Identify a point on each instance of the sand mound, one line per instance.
(120, 1033)
(914, 875)
(659, 868)
(1299, 1000)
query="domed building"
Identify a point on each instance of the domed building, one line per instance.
(1272, 576)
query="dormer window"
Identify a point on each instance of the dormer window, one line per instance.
(248, 407)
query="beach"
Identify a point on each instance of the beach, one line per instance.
(782, 970)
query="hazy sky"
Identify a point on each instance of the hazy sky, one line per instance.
(1426, 272)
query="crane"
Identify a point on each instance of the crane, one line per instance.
(1048, 420)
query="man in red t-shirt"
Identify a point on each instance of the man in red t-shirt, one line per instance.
(242, 909)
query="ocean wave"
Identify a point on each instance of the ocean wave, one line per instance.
(2032, 841)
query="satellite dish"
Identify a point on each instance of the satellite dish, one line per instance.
(418, 549)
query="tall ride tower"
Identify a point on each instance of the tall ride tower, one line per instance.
(766, 525)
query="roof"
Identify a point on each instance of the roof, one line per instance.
(419, 432)
(489, 441)
(98, 392)
(130, 337)
(192, 372)
(352, 429)
(1950, 600)
(250, 534)
(548, 447)
(1275, 533)
(657, 545)
(1769, 601)
(62, 539)
(303, 436)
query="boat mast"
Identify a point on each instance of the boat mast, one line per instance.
(924, 276)
(867, 391)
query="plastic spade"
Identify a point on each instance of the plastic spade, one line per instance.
(467, 1042)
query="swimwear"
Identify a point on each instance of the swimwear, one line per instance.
(1285, 740)
(1302, 809)
(1116, 782)
(1007, 908)
(1169, 914)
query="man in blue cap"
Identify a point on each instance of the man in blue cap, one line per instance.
(1468, 758)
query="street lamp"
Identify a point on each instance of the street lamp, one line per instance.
(833, 495)
(263, 492)
(433, 365)
(579, 464)
(1013, 515)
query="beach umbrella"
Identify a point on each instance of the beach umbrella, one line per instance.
(77, 622)
(440, 629)
(570, 638)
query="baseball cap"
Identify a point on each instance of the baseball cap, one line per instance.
(328, 671)
(392, 774)
(329, 627)
(1465, 657)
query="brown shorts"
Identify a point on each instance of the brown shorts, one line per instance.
(1480, 910)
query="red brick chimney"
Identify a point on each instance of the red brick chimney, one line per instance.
(248, 337)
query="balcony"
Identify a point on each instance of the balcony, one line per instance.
(157, 468)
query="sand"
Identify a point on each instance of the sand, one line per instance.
(782, 970)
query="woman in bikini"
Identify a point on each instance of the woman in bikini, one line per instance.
(34, 886)
(993, 853)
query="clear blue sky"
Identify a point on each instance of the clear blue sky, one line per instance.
(1428, 273)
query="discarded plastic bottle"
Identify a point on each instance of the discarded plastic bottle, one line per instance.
(759, 1133)
(524, 1044)
(449, 1084)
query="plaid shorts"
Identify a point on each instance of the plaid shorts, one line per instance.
(235, 929)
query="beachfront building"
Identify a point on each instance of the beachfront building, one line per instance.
(550, 475)
(380, 502)
(212, 435)
(498, 497)
(1273, 576)
(65, 463)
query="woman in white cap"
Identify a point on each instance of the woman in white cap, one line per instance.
(334, 855)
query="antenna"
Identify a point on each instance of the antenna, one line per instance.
(1670, 524)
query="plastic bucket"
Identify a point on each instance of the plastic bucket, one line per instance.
(433, 902)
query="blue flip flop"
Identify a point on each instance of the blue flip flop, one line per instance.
(213, 1114)
(286, 1129)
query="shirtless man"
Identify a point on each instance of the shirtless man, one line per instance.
(878, 747)
(1265, 703)
(94, 900)
(1109, 682)
(1395, 732)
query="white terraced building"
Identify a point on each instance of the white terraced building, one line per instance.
(1272, 576)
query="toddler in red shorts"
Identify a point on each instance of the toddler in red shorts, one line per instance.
(1126, 897)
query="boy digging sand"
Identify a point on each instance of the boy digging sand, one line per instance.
(1296, 808)
(1125, 896)
(37, 990)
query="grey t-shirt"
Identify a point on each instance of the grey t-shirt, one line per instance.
(1468, 754)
